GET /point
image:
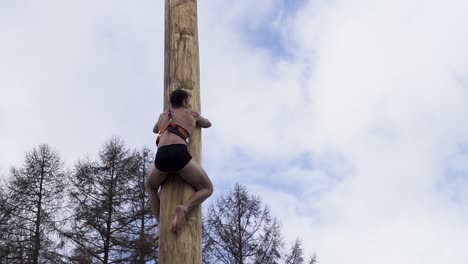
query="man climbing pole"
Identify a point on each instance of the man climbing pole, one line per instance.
(181, 69)
(174, 127)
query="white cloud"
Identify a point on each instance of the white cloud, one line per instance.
(374, 92)
(77, 73)
(388, 92)
(386, 96)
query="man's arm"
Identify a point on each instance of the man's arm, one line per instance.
(201, 121)
(156, 126)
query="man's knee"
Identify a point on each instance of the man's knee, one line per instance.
(210, 189)
(148, 185)
(209, 184)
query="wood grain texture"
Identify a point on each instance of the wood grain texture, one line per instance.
(181, 70)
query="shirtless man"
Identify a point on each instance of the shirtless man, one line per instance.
(174, 128)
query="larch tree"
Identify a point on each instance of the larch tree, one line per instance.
(240, 230)
(141, 245)
(313, 259)
(295, 255)
(34, 203)
(5, 225)
(100, 199)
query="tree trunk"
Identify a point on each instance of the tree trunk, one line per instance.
(142, 247)
(181, 71)
(109, 217)
(37, 232)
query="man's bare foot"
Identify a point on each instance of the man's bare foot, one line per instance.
(180, 213)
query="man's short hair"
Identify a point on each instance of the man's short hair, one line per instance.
(178, 96)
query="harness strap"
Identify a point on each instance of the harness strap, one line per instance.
(161, 131)
(178, 130)
(165, 128)
(174, 128)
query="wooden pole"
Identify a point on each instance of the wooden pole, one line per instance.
(181, 70)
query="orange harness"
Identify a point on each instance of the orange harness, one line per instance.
(174, 128)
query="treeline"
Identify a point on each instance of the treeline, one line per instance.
(98, 212)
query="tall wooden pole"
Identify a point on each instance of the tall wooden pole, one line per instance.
(181, 70)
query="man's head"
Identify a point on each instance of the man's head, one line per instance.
(179, 98)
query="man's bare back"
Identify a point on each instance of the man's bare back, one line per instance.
(182, 116)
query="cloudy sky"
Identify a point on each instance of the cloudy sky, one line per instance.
(347, 117)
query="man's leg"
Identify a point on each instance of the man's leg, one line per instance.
(194, 174)
(154, 180)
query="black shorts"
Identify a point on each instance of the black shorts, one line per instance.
(172, 158)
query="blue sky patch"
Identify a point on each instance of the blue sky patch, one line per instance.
(303, 175)
(267, 35)
(455, 184)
